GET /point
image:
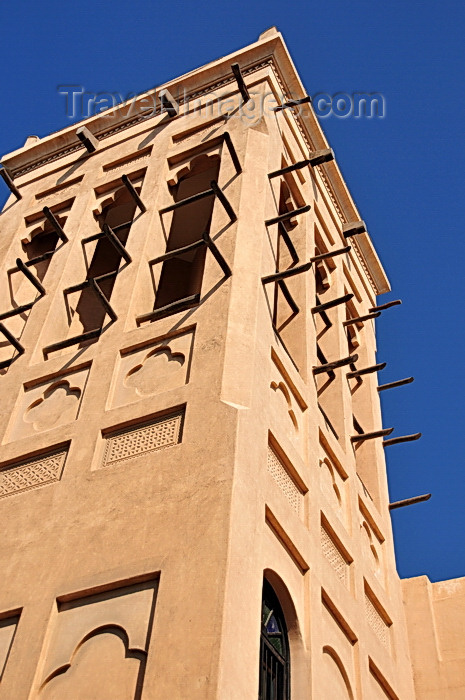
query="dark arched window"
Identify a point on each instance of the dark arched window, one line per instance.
(274, 649)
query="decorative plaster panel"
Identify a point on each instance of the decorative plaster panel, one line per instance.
(48, 404)
(284, 481)
(32, 474)
(334, 556)
(161, 433)
(376, 622)
(98, 646)
(153, 369)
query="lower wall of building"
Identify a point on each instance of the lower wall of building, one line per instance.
(435, 615)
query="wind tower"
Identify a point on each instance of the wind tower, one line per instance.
(194, 500)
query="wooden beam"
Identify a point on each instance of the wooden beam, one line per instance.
(292, 103)
(359, 437)
(409, 501)
(403, 438)
(8, 180)
(330, 254)
(168, 103)
(392, 385)
(240, 82)
(329, 304)
(353, 228)
(286, 273)
(366, 370)
(133, 192)
(287, 215)
(32, 278)
(360, 319)
(86, 137)
(388, 305)
(329, 366)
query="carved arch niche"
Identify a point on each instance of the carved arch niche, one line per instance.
(99, 645)
(153, 369)
(287, 404)
(48, 404)
(339, 670)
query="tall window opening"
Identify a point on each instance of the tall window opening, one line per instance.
(105, 260)
(43, 242)
(274, 649)
(181, 276)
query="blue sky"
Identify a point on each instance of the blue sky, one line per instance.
(405, 172)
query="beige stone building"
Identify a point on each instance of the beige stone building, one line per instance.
(193, 487)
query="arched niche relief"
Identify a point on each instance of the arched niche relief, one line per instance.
(201, 163)
(334, 676)
(332, 483)
(284, 395)
(287, 404)
(98, 647)
(102, 666)
(372, 547)
(48, 405)
(58, 404)
(298, 666)
(153, 369)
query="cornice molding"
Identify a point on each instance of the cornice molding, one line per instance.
(269, 52)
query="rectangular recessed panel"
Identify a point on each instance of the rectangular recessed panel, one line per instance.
(157, 435)
(334, 556)
(32, 473)
(284, 481)
(376, 622)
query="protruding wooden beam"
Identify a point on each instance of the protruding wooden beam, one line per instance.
(366, 370)
(292, 103)
(330, 254)
(211, 245)
(8, 180)
(359, 437)
(32, 279)
(324, 155)
(218, 192)
(392, 385)
(289, 169)
(103, 300)
(388, 305)
(62, 344)
(14, 342)
(232, 151)
(403, 438)
(133, 192)
(115, 241)
(168, 103)
(329, 304)
(49, 215)
(353, 228)
(86, 137)
(275, 277)
(409, 501)
(360, 319)
(287, 215)
(329, 366)
(240, 82)
(315, 158)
